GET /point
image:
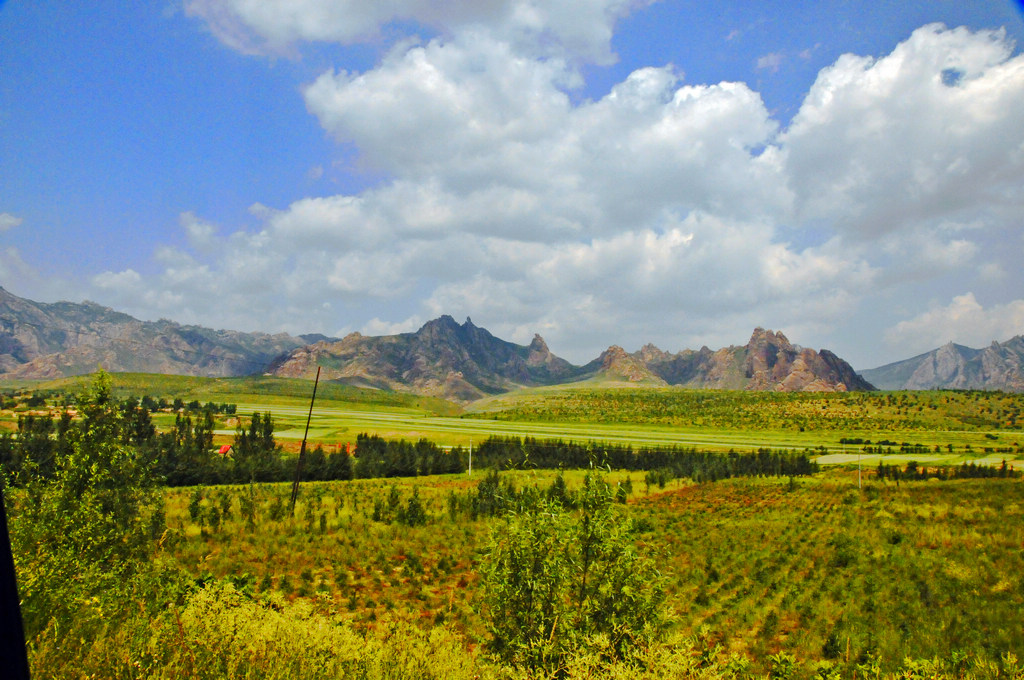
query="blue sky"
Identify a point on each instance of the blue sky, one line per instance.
(614, 172)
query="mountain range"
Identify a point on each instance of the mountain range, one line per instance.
(1000, 366)
(462, 362)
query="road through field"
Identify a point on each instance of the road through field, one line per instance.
(330, 424)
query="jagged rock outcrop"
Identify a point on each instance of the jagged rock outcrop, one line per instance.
(1000, 366)
(615, 365)
(769, 361)
(443, 358)
(774, 363)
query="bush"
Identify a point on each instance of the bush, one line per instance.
(88, 526)
(560, 583)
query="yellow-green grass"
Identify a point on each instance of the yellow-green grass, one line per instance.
(757, 566)
(267, 389)
(740, 409)
(871, 459)
(641, 416)
(331, 425)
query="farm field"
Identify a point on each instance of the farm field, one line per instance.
(839, 578)
(965, 426)
(817, 572)
(332, 425)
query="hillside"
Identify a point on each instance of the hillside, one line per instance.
(41, 341)
(1000, 366)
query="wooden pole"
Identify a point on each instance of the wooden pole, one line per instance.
(302, 449)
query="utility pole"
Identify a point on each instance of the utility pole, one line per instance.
(470, 457)
(302, 449)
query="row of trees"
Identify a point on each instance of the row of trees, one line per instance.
(185, 455)
(689, 462)
(912, 471)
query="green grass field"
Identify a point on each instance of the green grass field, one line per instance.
(965, 426)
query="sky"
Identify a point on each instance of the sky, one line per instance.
(596, 171)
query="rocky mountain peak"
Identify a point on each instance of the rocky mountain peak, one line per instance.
(613, 355)
(762, 338)
(951, 366)
(616, 363)
(651, 353)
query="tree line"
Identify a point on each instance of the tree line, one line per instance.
(913, 471)
(680, 461)
(185, 454)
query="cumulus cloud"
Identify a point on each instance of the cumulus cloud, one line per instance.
(663, 211)
(376, 326)
(649, 285)
(200, 233)
(964, 321)
(481, 140)
(883, 145)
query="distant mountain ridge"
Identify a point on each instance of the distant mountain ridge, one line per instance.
(465, 363)
(462, 362)
(1000, 366)
(769, 361)
(44, 341)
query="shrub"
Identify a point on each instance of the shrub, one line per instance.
(561, 583)
(88, 526)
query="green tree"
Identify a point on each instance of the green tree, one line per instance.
(414, 513)
(90, 523)
(256, 452)
(560, 582)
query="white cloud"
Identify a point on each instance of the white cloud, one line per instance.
(581, 28)
(118, 281)
(14, 269)
(9, 221)
(484, 141)
(883, 145)
(964, 321)
(664, 211)
(200, 233)
(992, 271)
(376, 326)
(644, 285)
